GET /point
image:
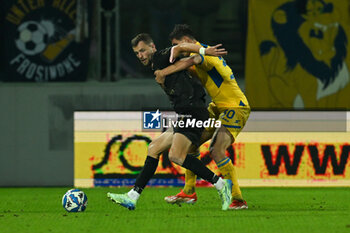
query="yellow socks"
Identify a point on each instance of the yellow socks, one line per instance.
(228, 171)
(190, 178)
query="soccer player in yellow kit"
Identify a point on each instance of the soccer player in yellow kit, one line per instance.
(229, 105)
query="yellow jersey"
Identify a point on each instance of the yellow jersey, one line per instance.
(217, 78)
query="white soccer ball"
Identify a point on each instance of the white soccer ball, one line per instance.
(32, 38)
(74, 200)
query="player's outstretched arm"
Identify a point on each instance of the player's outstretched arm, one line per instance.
(183, 64)
(215, 51)
(195, 48)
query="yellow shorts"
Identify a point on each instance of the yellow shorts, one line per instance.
(232, 118)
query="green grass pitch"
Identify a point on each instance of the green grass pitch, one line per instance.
(36, 210)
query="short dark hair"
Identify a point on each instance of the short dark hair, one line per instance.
(181, 30)
(141, 37)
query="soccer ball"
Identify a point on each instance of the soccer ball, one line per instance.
(32, 38)
(74, 200)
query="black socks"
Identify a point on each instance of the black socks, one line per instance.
(198, 167)
(190, 163)
(146, 174)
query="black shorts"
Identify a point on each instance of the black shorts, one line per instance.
(190, 130)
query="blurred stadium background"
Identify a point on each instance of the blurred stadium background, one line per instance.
(60, 57)
(81, 60)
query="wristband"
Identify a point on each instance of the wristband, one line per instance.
(202, 51)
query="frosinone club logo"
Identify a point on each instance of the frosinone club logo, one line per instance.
(41, 45)
(156, 120)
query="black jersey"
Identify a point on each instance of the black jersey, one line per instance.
(183, 91)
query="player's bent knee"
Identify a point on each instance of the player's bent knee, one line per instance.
(176, 157)
(154, 150)
(173, 158)
(217, 153)
(172, 155)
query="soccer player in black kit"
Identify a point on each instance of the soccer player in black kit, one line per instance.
(187, 97)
